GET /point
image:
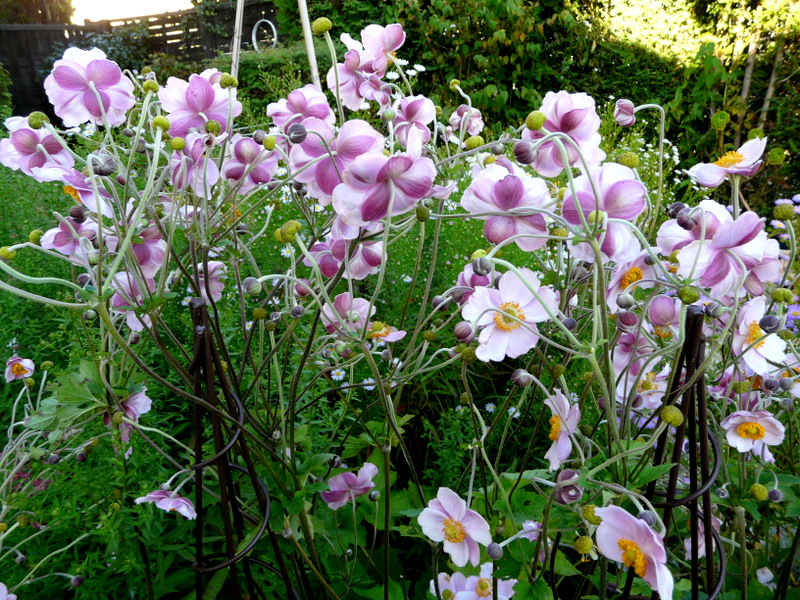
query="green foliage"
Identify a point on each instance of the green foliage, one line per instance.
(165, 66)
(128, 46)
(29, 12)
(6, 108)
(347, 16)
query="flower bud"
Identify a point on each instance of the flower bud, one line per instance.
(296, 133)
(672, 415)
(494, 551)
(388, 115)
(53, 459)
(374, 496)
(21, 559)
(228, 81)
(103, 164)
(775, 495)
(335, 462)
(770, 384)
(7, 253)
(786, 403)
(626, 301)
(30, 381)
(785, 383)
(302, 288)
(535, 120)
(35, 236)
(473, 141)
(713, 309)
(648, 517)
(297, 312)
(81, 457)
(521, 378)
(523, 152)
(422, 213)
(37, 119)
(624, 112)
(439, 300)
(251, 286)
(499, 149)
(161, 122)
(759, 492)
(321, 26)
(140, 146)
(77, 581)
(464, 332)
(454, 84)
(584, 544)
(482, 266)
(674, 208)
(686, 220)
(769, 323)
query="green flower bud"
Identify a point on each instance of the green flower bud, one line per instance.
(270, 325)
(37, 119)
(423, 214)
(321, 26)
(473, 141)
(429, 336)
(23, 521)
(114, 506)
(213, 127)
(595, 217)
(720, 120)
(269, 142)
(782, 295)
(672, 415)
(259, 314)
(535, 120)
(35, 236)
(587, 512)
(30, 381)
(584, 544)
(560, 232)
(161, 122)
(3, 527)
(177, 143)
(783, 212)
(117, 418)
(629, 159)
(151, 85)
(228, 81)
(558, 370)
(147, 69)
(7, 253)
(786, 334)
(755, 133)
(759, 492)
(688, 294)
(46, 365)
(454, 83)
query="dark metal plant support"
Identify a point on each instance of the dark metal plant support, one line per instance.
(687, 391)
(211, 384)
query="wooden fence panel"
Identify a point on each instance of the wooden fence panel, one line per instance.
(188, 35)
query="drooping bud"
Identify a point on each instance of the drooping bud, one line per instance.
(321, 25)
(521, 378)
(21, 559)
(296, 133)
(672, 415)
(775, 495)
(482, 266)
(770, 384)
(494, 551)
(374, 496)
(686, 220)
(251, 286)
(674, 208)
(297, 312)
(647, 517)
(769, 323)
(77, 581)
(723, 493)
(37, 119)
(624, 112)
(523, 152)
(714, 309)
(464, 332)
(35, 236)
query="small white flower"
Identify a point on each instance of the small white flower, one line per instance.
(369, 384)
(286, 251)
(248, 325)
(459, 408)
(185, 301)
(338, 374)
(401, 61)
(765, 577)
(364, 106)
(392, 76)
(513, 412)
(411, 73)
(419, 68)
(406, 278)
(490, 407)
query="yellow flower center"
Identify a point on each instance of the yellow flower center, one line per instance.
(71, 191)
(633, 275)
(754, 332)
(662, 332)
(648, 383)
(484, 587)
(379, 330)
(18, 369)
(453, 531)
(632, 556)
(729, 159)
(752, 431)
(555, 427)
(508, 316)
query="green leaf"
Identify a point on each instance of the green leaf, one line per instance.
(563, 566)
(652, 472)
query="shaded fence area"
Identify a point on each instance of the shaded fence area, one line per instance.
(26, 51)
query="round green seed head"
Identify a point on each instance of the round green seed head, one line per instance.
(783, 212)
(35, 236)
(151, 86)
(560, 232)
(473, 141)
(177, 143)
(587, 512)
(689, 294)
(429, 336)
(468, 355)
(454, 83)
(270, 325)
(213, 127)
(7, 253)
(672, 415)
(422, 213)
(161, 122)
(759, 492)
(535, 120)
(37, 119)
(629, 159)
(584, 544)
(321, 26)
(269, 142)
(228, 81)
(259, 314)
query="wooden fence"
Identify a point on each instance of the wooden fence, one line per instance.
(190, 35)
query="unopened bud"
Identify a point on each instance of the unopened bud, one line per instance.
(626, 301)
(723, 493)
(770, 384)
(494, 551)
(624, 112)
(35, 236)
(523, 152)
(321, 25)
(521, 378)
(672, 415)
(775, 495)
(297, 312)
(785, 383)
(769, 323)
(374, 495)
(37, 119)
(686, 220)
(464, 332)
(674, 208)
(53, 459)
(251, 286)
(81, 457)
(648, 517)
(151, 85)
(228, 81)
(77, 581)
(296, 133)
(473, 141)
(21, 559)
(713, 309)
(482, 266)
(161, 122)
(388, 115)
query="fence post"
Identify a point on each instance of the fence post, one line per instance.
(307, 35)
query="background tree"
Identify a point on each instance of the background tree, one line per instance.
(35, 11)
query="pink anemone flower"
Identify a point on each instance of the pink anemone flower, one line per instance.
(18, 368)
(455, 584)
(621, 197)
(30, 149)
(482, 585)
(192, 167)
(192, 103)
(469, 118)
(623, 538)
(128, 297)
(508, 315)
(574, 115)
(210, 283)
(755, 347)
(380, 43)
(347, 315)
(626, 277)
(753, 432)
(4, 593)
(563, 424)
(345, 487)
(415, 112)
(447, 519)
(505, 189)
(170, 502)
(302, 103)
(383, 333)
(85, 86)
(745, 161)
(250, 164)
(66, 237)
